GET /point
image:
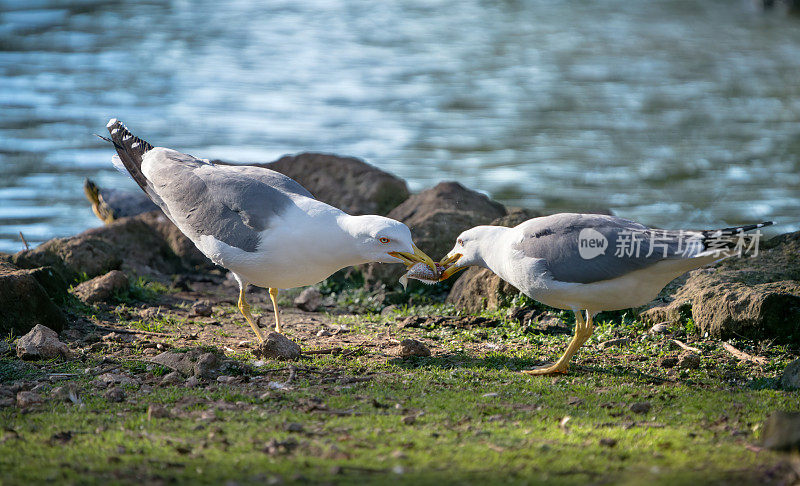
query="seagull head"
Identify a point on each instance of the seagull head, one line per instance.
(465, 253)
(385, 240)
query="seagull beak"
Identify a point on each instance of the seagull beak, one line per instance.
(449, 265)
(411, 259)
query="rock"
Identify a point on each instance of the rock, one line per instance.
(436, 217)
(206, 365)
(640, 407)
(347, 183)
(790, 380)
(753, 297)
(688, 360)
(138, 245)
(412, 347)
(660, 328)
(172, 378)
(28, 398)
(613, 342)
(42, 343)
(277, 346)
(324, 333)
(192, 382)
(157, 411)
(115, 395)
(308, 300)
(202, 308)
(103, 288)
(65, 393)
(782, 431)
(25, 303)
(110, 379)
(479, 288)
(669, 361)
(409, 420)
(194, 362)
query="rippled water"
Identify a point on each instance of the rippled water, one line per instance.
(672, 113)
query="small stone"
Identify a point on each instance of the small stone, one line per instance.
(608, 442)
(192, 382)
(202, 308)
(277, 346)
(660, 328)
(412, 347)
(102, 288)
(613, 342)
(206, 364)
(157, 411)
(172, 378)
(42, 343)
(115, 395)
(294, 427)
(28, 398)
(640, 407)
(782, 431)
(324, 333)
(490, 395)
(790, 380)
(409, 420)
(689, 360)
(667, 361)
(150, 312)
(226, 379)
(308, 300)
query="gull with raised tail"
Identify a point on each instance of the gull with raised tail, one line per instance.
(264, 227)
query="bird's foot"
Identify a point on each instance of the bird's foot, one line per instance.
(548, 370)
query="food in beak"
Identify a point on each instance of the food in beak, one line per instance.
(411, 259)
(422, 272)
(448, 266)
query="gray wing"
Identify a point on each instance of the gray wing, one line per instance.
(585, 248)
(231, 203)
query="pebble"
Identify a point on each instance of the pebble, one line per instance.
(202, 308)
(640, 407)
(28, 398)
(115, 395)
(689, 360)
(173, 378)
(412, 347)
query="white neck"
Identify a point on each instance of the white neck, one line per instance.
(492, 243)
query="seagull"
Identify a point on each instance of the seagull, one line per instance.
(264, 227)
(589, 263)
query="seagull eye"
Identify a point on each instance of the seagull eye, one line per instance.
(460, 242)
(384, 240)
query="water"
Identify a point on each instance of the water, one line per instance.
(673, 113)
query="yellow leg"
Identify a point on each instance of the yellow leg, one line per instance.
(244, 307)
(273, 294)
(583, 330)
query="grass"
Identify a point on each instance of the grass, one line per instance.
(462, 416)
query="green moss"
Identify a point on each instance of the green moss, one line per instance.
(462, 416)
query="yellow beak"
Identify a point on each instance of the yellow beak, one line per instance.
(411, 259)
(449, 266)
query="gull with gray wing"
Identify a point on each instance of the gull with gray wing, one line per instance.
(589, 263)
(264, 227)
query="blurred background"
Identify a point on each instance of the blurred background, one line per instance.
(673, 113)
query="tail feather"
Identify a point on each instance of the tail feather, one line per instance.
(130, 150)
(735, 230)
